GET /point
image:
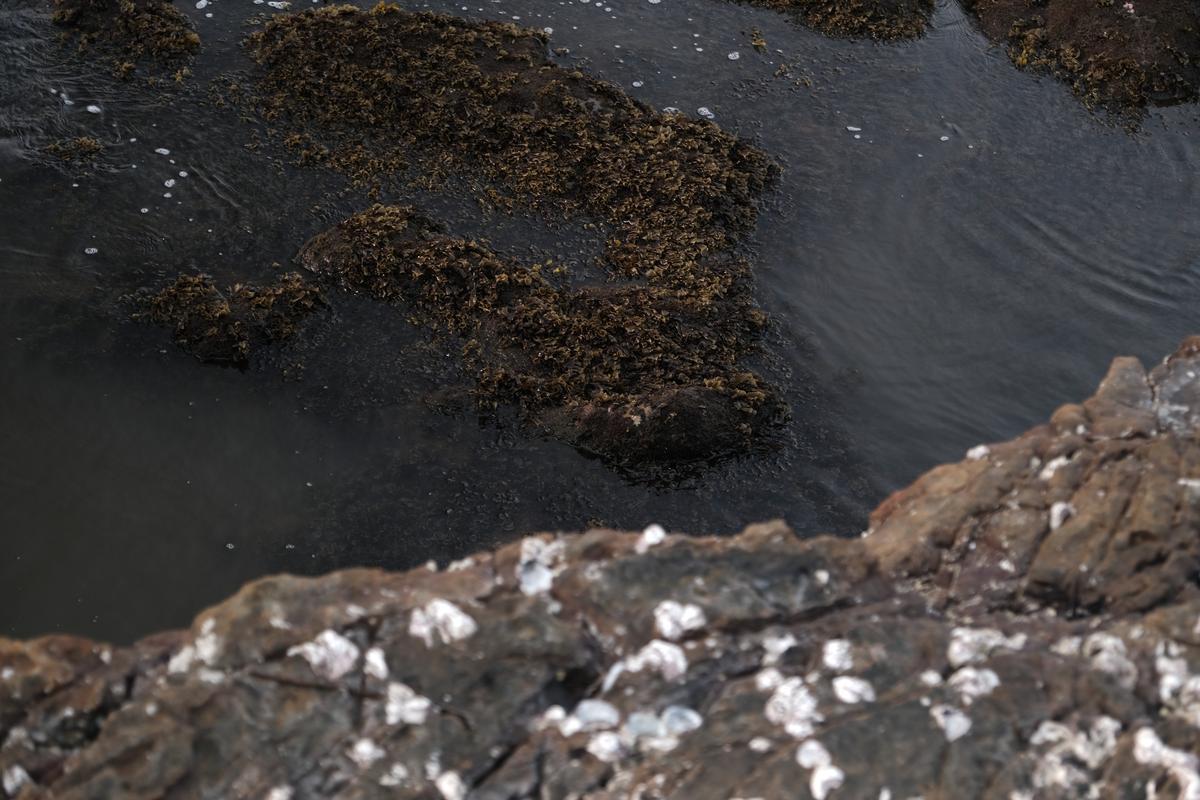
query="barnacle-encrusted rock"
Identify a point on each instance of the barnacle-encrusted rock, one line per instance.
(129, 30)
(225, 327)
(645, 372)
(1024, 624)
(1113, 54)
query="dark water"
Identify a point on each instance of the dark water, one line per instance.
(928, 295)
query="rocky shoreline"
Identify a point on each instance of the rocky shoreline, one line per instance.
(1022, 624)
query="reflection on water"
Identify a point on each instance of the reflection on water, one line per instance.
(970, 258)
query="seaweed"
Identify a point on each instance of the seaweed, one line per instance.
(1117, 56)
(454, 97)
(225, 327)
(635, 372)
(78, 150)
(128, 31)
(648, 366)
(882, 20)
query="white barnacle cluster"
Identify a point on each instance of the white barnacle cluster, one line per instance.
(1182, 766)
(793, 706)
(775, 645)
(329, 654)
(1053, 466)
(675, 620)
(375, 664)
(978, 452)
(976, 645)
(204, 650)
(404, 706)
(971, 683)
(13, 779)
(610, 740)
(651, 537)
(365, 752)
(1060, 512)
(1178, 686)
(666, 658)
(838, 655)
(441, 621)
(850, 689)
(825, 777)
(280, 792)
(1072, 757)
(540, 563)
(954, 723)
(1104, 652)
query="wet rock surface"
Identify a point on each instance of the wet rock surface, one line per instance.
(1117, 55)
(1023, 624)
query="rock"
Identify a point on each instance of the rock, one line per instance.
(646, 375)
(226, 327)
(128, 31)
(884, 20)
(967, 646)
(1117, 55)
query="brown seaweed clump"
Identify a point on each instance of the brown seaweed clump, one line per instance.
(482, 99)
(1116, 55)
(225, 327)
(882, 20)
(128, 30)
(638, 373)
(78, 150)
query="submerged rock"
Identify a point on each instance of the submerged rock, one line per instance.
(128, 30)
(225, 327)
(78, 150)
(643, 373)
(483, 100)
(884, 20)
(975, 643)
(1113, 54)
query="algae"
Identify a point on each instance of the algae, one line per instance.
(648, 366)
(78, 150)
(636, 372)
(225, 327)
(882, 20)
(129, 31)
(1118, 56)
(453, 97)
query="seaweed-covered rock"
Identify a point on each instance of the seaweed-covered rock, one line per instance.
(883, 20)
(129, 30)
(81, 149)
(950, 652)
(483, 99)
(1113, 54)
(644, 373)
(225, 327)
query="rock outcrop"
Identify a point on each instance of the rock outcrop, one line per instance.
(1120, 55)
(129, 32)
(1023, 624)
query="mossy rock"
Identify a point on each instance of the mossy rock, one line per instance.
(1118, 56)
(129, 31)
(225, 327)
